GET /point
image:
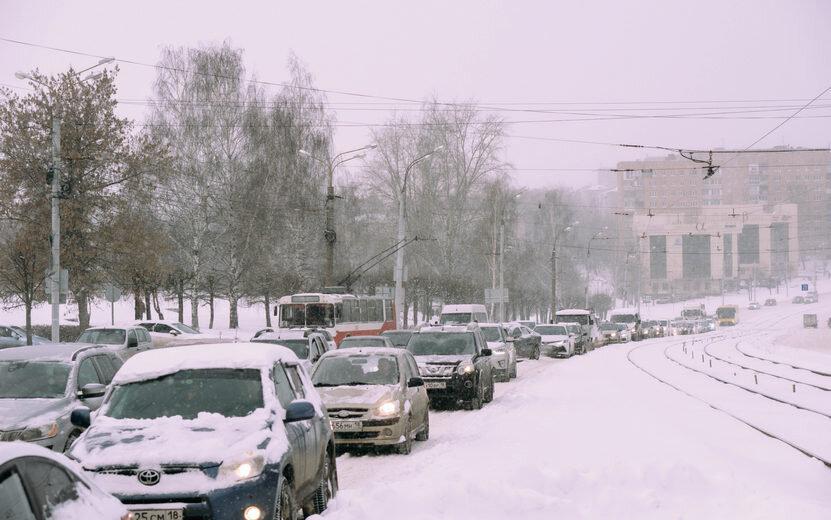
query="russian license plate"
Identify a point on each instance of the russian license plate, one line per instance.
(346, 426)
(158, 514)
(435, 384)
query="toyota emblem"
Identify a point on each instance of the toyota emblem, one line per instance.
(149, 477)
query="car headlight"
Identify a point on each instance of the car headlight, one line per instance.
(389, 408)
(248, 466)
(466, 368)
(36, 433)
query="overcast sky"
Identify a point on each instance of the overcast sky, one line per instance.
(564, 74)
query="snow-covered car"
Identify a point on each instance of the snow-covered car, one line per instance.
(126, 341)
(196, 432)
(307, 345)
(163, 332)
(503, 353)
(40, 385)
(556, 339)
(454, 361)
(365, 342)
(374, 396)
(753, 306)
(38, 484)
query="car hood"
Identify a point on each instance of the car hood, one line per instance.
(443, 360)
(19, 413)
(206, 440)
(362, 396)
(551, 338)
(497, 345)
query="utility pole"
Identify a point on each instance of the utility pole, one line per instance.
(501, 271)
(55, 273)
(553, 283)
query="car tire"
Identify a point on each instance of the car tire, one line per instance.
(404, 448)
(513, 369)
(536, 353)
(285, 509)
(328, 486)
(424, 434)
(489, 396)
(70, 439)
(476, 402)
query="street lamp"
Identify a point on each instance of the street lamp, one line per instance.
(55, 271)
(399, 254)
(557, 236)
(329, 233)
(588, 252)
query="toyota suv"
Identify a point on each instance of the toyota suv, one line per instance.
(454, 361)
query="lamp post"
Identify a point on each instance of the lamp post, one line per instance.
(554, 269)
(588, 252)
(329, 233)
(399, 254)
(55, 271)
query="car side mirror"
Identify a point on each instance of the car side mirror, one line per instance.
(487, 352)
(91, 390)
(509, 339)
(174, 332)
(132, 343)
(415, 381)
(80, 417)
(299, 411)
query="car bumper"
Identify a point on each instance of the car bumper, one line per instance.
(217, 504)
(376, 432)
(456, 387)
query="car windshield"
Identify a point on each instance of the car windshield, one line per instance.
(609, 326)
(624, 318)
(582, 319)
(442, 344)
(26, 379)
(299, 346)
(355, 342)
(356, 370)
(103, 336)
(491, 333)
(399, 339)
(726, 312)
(187, 393)
(551, 330)
(184, 328)
(451, 318)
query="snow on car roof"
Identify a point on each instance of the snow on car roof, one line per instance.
(285, 334)
(44, 352)
(572, 311)
(155, 363)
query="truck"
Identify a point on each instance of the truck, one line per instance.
(694, 312)
(727, 315)
(587, 321)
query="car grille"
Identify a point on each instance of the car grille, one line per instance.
(347, 413)
(437, 370)
(356, 435)
(165, 469)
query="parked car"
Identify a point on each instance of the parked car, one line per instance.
(374, 397)
(611, 332)
(39, 484)
(753, 306)
(576, 330)
(399, 338)
(193, 432)
(526, 342)
(307, 345)
(770, 302)
(809, 298)
(503, 353)
(126, 341)
(556, 340)
(163, 332)
(365, 341)
(40, 385)
(454, 362)
(14, 336)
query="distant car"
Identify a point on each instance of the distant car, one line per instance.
(503, 353)
(163, 331)
(770, 302)
(610, 332)
(556, 340)
(399, 338)
(307, 345)
(455, 364)
(798, 299)
(126, 341)
(365, 341)
(527, 343)
(41, 385)
(809, 298)
(374, 397)
(38, 484)
(753, 306)
(576, 331)
(21, 332)
(196, 432)
(528, 323)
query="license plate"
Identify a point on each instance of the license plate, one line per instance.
(435, 384)
(158, 514)
(346, 426)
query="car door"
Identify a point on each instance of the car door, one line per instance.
(46, 483)
(314, 443)
(88, 374)
(416, 395)
(296, 432)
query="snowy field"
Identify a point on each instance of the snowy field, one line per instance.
(625, 432)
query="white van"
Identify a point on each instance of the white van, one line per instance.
(588, 322)
(463, 314)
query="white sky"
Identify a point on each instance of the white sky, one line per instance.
(619, 57)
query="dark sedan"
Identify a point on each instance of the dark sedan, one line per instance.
(526, 342)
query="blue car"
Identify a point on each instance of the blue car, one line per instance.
(11, 336)
(211, 431)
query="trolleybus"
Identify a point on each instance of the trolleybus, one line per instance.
(340, 314)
